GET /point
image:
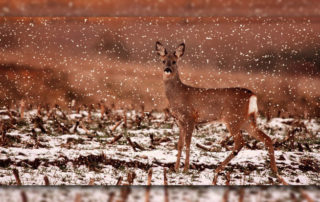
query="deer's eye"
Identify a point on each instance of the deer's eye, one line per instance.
(174, 62)
(164, 62)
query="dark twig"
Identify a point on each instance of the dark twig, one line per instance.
(131, 176)
(16, 176)
(111, 196)
(116, 138)
(119, 181)
(138, 146)
(46, 181)
(131, 143)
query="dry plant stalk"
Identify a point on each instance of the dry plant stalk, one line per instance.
(35, 137)
(165, 183)
(138, 120)
(116, 138)
(9, 113)
(207, 149)
(111, 196)
(241, 194)
(78, 198)
(124, 193)
(147, 196)
(131, 177)
(61, 127)
(78, 109)
(84, 128)
(39, 124)
(75, 127)
(3, 132)
(39, 110)
(291, 138)
(24, 196)
(116, 126)
(91, 108)
(306, 196)
(91, 182)
(51, 113)
(293, 197)
(46, 181)
(125, 123)
(102, 110)
(138, 146)
(22, 105)
(226, 193)
(131, 143)
(225, 141)
(165, 179)
(119, 182)
(16, 176)
(149, 176)
(167, 114)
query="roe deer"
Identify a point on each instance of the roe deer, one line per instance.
(236, 107)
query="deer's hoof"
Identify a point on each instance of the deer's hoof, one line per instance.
(176, 168)
(215, 179)
(185, 170)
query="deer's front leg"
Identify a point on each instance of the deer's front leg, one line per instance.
(189, 130)
(180, 144)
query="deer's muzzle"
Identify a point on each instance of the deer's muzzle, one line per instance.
(167, 70)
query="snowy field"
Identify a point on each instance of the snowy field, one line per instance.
(156, 193)
(80, 147)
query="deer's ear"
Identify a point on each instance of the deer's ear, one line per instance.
(180, 50)
(160, 49)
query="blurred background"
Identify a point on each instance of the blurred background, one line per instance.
(54, 60)
(182, 8)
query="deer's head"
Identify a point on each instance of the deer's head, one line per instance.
(170, 68)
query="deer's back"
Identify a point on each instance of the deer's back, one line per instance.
(205, 105)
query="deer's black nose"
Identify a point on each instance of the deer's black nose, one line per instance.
(167, 70)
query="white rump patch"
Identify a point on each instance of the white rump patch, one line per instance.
(253, 107)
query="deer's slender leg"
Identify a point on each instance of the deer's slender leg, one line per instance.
(182, 135)
(238, 144)
(189, 130)
(261, 136)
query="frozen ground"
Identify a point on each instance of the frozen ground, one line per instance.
(156, 193)
(73, 154)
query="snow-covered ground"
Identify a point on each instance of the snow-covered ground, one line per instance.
(157, 193)
(76, 156)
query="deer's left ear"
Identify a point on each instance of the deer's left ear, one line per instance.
(180, 50)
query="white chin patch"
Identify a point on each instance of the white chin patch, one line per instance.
(167, 73)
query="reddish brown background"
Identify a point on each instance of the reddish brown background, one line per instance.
(58, 59)
(160, 8)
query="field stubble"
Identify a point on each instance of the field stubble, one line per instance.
(104, 146)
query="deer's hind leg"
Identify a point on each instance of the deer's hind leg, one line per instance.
(234, 129)
(255, 132)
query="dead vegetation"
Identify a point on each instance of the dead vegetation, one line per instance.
(85, 126)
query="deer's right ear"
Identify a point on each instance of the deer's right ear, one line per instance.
(160, 49)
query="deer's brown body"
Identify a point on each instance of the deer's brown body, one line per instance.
(236, 107)
(205, 105)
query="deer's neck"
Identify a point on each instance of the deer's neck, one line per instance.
(173, 87)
